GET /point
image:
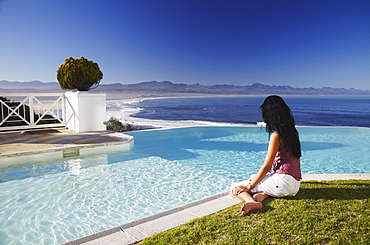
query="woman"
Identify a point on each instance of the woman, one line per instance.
(280, 174)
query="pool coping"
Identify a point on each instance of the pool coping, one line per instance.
(62, 145)
(136, 231)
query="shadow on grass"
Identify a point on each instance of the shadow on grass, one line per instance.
(334, 190)
(266, 205)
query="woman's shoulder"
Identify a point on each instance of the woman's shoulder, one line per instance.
(275, 136)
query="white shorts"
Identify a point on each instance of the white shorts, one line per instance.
(276, 185)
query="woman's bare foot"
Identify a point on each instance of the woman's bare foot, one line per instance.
(260, 196)
(249, 206)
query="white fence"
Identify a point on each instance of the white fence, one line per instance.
(39, 110)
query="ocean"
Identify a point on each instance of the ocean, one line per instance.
(313, 110)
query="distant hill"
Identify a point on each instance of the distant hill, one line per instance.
(256, 88)
(29, 85)
(166, 86)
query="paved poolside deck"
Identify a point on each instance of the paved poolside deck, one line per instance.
(57, 142)
(19, 145)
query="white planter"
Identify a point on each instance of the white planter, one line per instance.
(85, 111)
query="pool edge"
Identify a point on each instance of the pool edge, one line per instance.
(136, 231)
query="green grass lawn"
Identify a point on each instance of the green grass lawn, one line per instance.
(327, 212)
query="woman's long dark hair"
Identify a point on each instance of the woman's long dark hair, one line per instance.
(278, 117)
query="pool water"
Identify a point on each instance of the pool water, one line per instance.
(55, 202)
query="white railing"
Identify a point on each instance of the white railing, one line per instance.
(39, 110)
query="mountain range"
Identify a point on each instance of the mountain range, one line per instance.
(167, 86)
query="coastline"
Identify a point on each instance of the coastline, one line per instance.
(126, 112)
(318, 110)
(321, 113)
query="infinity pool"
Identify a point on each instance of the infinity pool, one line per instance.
(55, 202)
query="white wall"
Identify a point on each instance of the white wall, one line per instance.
(85, 111)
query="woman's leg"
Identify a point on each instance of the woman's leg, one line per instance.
(250, 204)
(260, 196)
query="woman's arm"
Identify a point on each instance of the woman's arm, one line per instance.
(273, 147)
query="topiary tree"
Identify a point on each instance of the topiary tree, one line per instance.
(79, 73)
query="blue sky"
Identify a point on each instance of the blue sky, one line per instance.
(301, 43)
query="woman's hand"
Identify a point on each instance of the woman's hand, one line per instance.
(239, 189)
